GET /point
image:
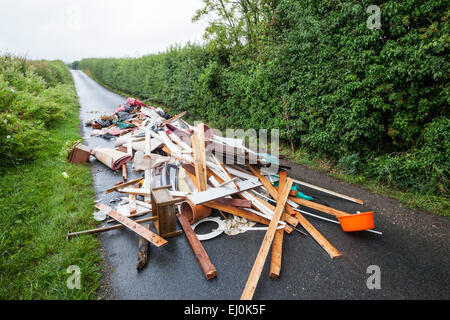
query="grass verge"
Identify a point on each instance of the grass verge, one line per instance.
(38, 207)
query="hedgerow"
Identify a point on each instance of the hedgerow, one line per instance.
(33, 96)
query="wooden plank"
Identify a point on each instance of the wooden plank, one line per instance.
(277, 245)
(236, 211)
(200, 173)
(142, 252)
(201, 140)
(132, 204)
(161, 135)
(220, 192)
(179, 142)
(122, 185)
(266, 183)
(136, 215)
(277, 250)
(320, 239)
(124, 172)
(241, 203)
(133, 226)
(286, 217)
(173, 118)
(147, 184)
(255, 274)
(135, 191)
(320, 207)
(225, 171)
(193, 179)
(328, 191)
(202, 257)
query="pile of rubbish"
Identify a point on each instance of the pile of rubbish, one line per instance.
(189, 172)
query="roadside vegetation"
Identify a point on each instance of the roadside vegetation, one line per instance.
(372, 102)
(42, 196)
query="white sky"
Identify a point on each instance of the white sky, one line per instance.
(73, 29)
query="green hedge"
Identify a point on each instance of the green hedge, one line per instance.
(375, 100)
(33, 96)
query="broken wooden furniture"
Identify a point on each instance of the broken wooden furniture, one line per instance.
(163, 207)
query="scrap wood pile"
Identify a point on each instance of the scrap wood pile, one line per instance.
(190, 171)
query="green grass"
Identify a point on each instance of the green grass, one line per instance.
(38, 207)
(438, 205)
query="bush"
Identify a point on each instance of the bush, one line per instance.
(32, 97)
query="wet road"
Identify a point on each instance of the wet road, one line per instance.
(412, 254)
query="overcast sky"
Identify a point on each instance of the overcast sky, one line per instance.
(73, 29)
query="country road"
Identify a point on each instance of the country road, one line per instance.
(413, 253)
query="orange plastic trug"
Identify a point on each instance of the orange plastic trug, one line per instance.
(357, 222)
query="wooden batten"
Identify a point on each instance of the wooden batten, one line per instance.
(133, 226)
(277, 245)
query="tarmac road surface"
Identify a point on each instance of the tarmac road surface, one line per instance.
(412, 254)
